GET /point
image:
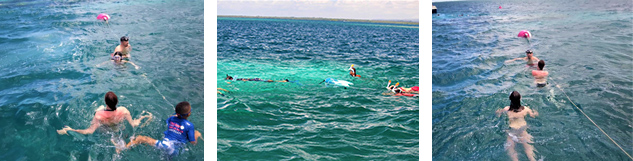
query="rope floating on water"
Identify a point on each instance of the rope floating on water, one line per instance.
(145, 76)
(594, 123)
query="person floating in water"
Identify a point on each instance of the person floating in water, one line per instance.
(221, 89)
(540, 75)
(530, 58)
(179, 132)
(253, 79)
(109, 116)
(118, 59)
(518, 126)
(396, 89)
(124, 48)
(352, 71)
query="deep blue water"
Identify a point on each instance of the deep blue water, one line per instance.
(50, 51)
(588, 50)
(306, 120)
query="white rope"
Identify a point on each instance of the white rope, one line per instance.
(144, 76)
(594, 123)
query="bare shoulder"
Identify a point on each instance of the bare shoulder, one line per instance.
(506, 108)
(122, 109)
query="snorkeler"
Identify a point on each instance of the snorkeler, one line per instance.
(352, 71)
(117, 58)
(396, 89)
(221, 89)
(124, 48)
(109, 116)
(530, 58)
(517, 132)
(179, 132)
(540, 76)
(253, 79)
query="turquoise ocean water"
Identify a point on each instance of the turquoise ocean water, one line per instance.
(303, 119)
(50, 51)
(588, 50)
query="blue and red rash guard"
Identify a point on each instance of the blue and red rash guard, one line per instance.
(179, 130)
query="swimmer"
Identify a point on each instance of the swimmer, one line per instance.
(124, 48)
(179, 132)
(220, 89)
(540, 76)
(517, 132)
(117, 58)
(253, 79)
(109, 116)
(530, 58)
(396, 89)
(352, 71)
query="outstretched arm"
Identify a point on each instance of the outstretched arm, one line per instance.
(136, 122)
(135, 66)
(511, 60)
(533, 113)
(93, 126)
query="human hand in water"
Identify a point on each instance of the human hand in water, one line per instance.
(147, 115)
(64, 131)
(499, 112)
(534, 113)
(198, 135)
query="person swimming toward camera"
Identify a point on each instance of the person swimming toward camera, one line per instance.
(540, 75)
(518, 126)
(529, 57)
(179, 132)
(253, 79)
(118, 59)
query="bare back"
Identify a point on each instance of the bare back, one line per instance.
(540, 76)
(112, 118)
(517, 119)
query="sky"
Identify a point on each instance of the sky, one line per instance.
(346, 9)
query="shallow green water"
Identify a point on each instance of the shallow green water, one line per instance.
(303, 119)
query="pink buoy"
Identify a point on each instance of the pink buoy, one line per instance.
(524, 34)
(499, 7)
(103, 16)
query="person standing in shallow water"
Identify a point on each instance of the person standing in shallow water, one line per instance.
(518, 126)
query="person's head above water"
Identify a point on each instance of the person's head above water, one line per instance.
(183, 109)
(529, 53)
(125, 41)
(117, 56)
(111, 100)
(541, 64)
(515, 102)
(228, 77)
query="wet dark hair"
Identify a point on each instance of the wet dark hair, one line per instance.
(528, 51)
(541, 64)
(228, 77)
(125, 38)
(183, 108)
(111, 100)
(118, 53)
(515, 102)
